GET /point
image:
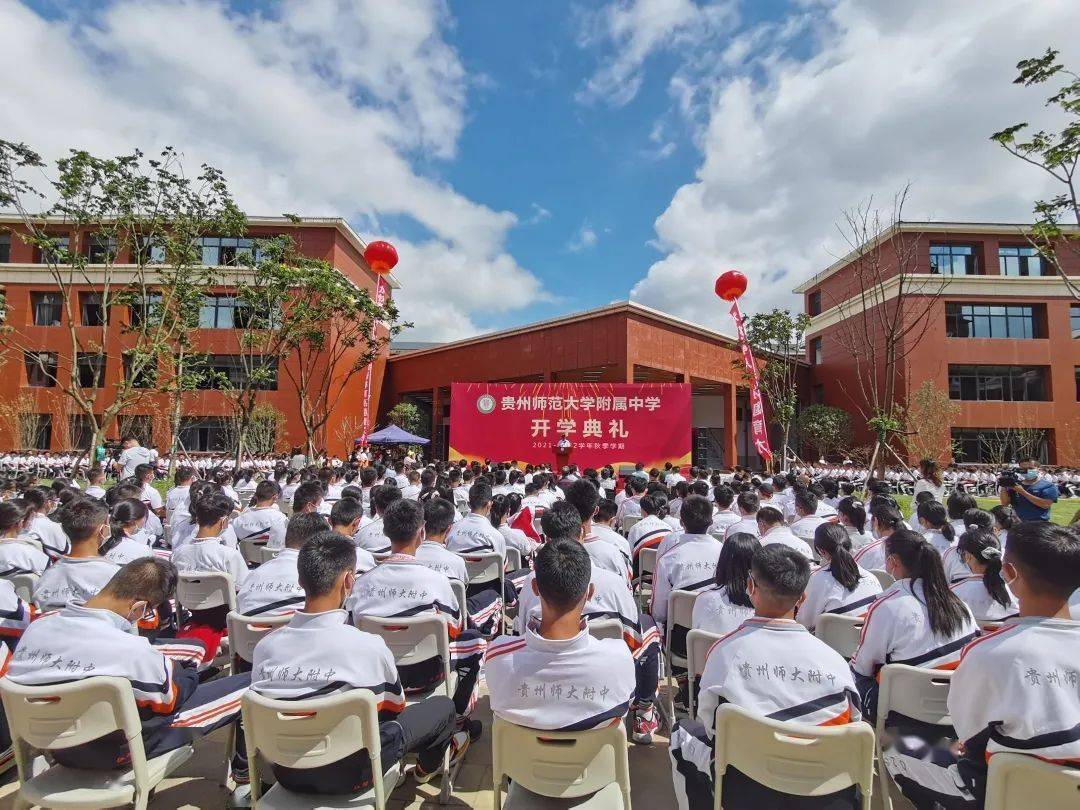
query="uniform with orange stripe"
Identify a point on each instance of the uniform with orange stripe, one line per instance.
(15, 615)
(72, 579)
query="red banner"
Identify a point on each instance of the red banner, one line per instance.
(757, 408)
(605, 423)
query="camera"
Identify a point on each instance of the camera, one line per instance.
(1008, 479)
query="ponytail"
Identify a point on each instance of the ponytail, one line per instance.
(499, 507)
(855, 511)
(984, 547)
(922, 563)
(938, 518)
(123, 512)
(733, 567)
(831, 539)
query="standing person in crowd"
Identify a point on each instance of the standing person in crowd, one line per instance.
(1033, 496)
(132, 455)
(930, 480)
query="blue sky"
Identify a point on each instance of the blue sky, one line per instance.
(536, 158)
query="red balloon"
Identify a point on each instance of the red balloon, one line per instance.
(381, 257)
(730, 285)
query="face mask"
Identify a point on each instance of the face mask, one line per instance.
(1010, 580)
(1031, 475)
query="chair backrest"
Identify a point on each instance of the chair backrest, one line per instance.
(647, 561)
(884, 577)
(794, 758)
(698, 644)
(411, 639)
(200, 590)
(915, 692)
(1018, 780)
(680, 611)
(462, 596)
(627, 522)
(252, 550)
(513, 559)
(312, 733)
(24, 585)
(560, 764)
(606, 628)
(840, 632)
(486, 567)
(247, 631)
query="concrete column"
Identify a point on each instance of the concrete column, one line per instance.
(731, 428)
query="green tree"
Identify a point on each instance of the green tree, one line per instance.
(927, 415)
(1055, 153)
(824, 429)
(406, 416)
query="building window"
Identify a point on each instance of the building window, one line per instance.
(90, 368)
(217, 312)
(814, 303)
(993, 321)
(42, 431)
(82, 432)
(1020, 261)
(100, 249)
(952, 260)
(47, 308)
(141, 310)
(138, 425)
(230, 372)
(815, 351)
(1074, 321)
(204, 434)
(998, 383)
(999, 445)
(1077, 383)
(150, 251)
(40, 369)
(146, 376)
(5, 248)
(224, 250)
(56, 253)
(93, 313)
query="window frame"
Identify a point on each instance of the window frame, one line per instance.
(1023, 261)
(100, 249)
(973, 382)
(45, 372)
(40, 298)
(90, 369)
(971, 264)
(1003, 322)
(5, 248)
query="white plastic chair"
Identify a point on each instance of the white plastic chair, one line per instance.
(247, 631)
(254, 551)
(680, 612)
(606, 628)
(24, 585)
(1018, 780)
(840, 632)
(917, 693)
(698, 644)
(513, 559)
(646, 566)
(795, 758)
(462, 597)
(560, 765)
(884, 578)
(48, 718)
(309, 734)
(487, 568)
(202, 590)
(628, 522)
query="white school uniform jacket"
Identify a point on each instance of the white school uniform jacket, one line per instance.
(939, 541)
(778, 669)
(474, 534)
(73, 579)
(955, 567)
(319, 654)
(604, 532)
(371, 537)
(628, 507)
(607, 556)
(804, 527)
(21, 556)
(611, 599)
(689, 566)
(15, 614)
(871, 557)
(208, 554)
(264, 524)
(714, 612)
(984, 607)
(272, 589)
(402, 586)
(151, 497)
(184, 532)
(721, 520)
(128, 549)
(436, 557)
(783, 535)
(897, 631)
(53, 540)
(825, 595)
(516, 538)
(746, 524)
(648, 532)
(566, 685)
(177, 500)
(1016, 690)
(94, 491)
(858, 539)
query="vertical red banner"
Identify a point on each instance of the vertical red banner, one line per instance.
(757, 407)
(380, 299)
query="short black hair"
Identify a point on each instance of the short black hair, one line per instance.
(806, 500)
(770, 516)
(209, 510)
(383, 496)
(438, 516)
(723, 495)
(637, 484)
(82, 518)
(402, 520)
(584, 495)
(142, 469)
(1047, 554)
(147, 578)
(749, 502)
(368, 476)
(696, 514)
(302, 527)
(479, 495)
(346, 511)
(308, 493)
(781, 571)
(266, 490)
(561, 522)
(606, 509)
(322, 560)
(958, 503)
(563, 572)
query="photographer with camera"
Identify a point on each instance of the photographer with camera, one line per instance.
(1027, 493)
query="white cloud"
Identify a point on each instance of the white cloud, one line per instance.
(539, 214)
(319, 109)
(789, 143)
(583, 239)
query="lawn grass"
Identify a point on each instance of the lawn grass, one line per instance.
(1061, 512)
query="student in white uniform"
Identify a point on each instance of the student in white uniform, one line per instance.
(1005, 519)
(724, 516)
(47, 531)
(884, 520)
(95, 480)
(630, 505)
(308, 497)
(771, 529)
(19, 554)
(690, 565)
(129, 539)
(851, 514)
(144, 477)
(956, 504)
(371, 537)
(1014, 690)
(585, 497)
(503, 507)
(918, 621)
(771, 666)
(839, 586)
(935, 526)
(984, 591)
(603, 526)
(320, 653)
(177, 498)
(651, 530)
(806, 518)
(347, 518)
(273, 589)
(474, 534)
(263, 521)
(83, 572)
(747, 505)
(956, 568)
(726, 605)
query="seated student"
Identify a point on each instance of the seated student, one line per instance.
(401, 585)
(689, 565)
(651, 530)
(559, 677)
(956, 504)
(747, 505)
(724, 516)
(371, 537)
(839, 586)
(503, 507)
(771, 529)
(144, 477)
(771, 666)
(95, 480)
(885, 519)
(726, 605)
(83, 572)
(918, 621)
(474, 533)
(851, 514)
(585, 497)
(263, 521)
(273, 588)
(1014, 690)
(308, 497)
(985, 592)
(96, 638)
(603, 526)
(935, 526)
(1005, 519)
(18, 554)
(41, 526)
(129, 539)
(806, 520)
(630, 505)
(953, 561)
(347, 518)
(186, 526)
(320, 640)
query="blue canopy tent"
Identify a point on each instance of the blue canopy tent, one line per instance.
(392, 434)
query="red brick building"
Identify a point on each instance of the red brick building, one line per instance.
(1002, 336)
(34, 309)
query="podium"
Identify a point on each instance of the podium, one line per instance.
(562, 457)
